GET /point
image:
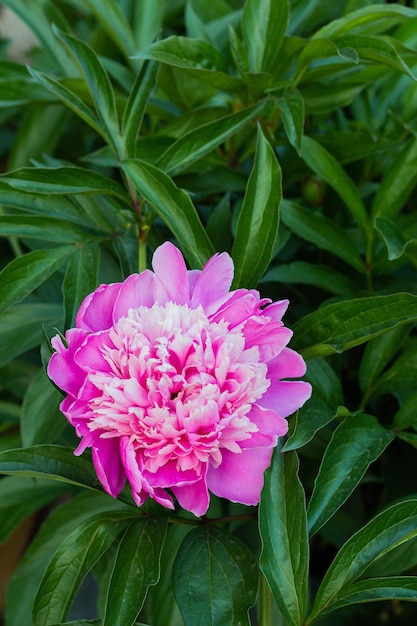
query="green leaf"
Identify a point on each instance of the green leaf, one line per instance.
(208, 592)
(389, 529)
(264, 23)
(407, 415)
(283, 529)
(401, 375)
(48, 461)
(397, 183)
(327, 396)
(320, 276)
(136, 568)
(203, 139)
(81, 278)
(326, 167)
(257, 225)
(20, 497)
(368, 16)
(393, 237)
(71, 563)
(196, 57)
(356, 443)
(21, 327)
(325, 233)
(174, 206)
(135, 107)
(343, 325)
(58, 525)
(378, 353)
(114, 21)
(71, 100)
(45, 228)
(63, 180)
(22, 275)
(41, 420)
(292, 110)
(388, 588)
(99, 85)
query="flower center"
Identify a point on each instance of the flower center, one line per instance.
(179, 386)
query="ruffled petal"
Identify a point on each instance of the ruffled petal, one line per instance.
(194, 498)
(67, 375)
(171, 272)
(240, 477)
(96, 310)
(90, 355)
(269, 338)
(214, 281)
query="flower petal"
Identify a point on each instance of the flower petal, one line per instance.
(214, 281)
(286, 397)
(137, 290)
(169, 267)
(108, 466)
(240, 477)
(95, 312)
(194, 498)
(66, 374)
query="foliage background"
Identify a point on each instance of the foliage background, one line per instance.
(284, 133)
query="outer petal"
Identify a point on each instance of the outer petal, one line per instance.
(169, 266)
(194, 498)
(270, 425)
(270, 338)
(214, 281)
(137, 290)
(96, 310)
(285, 397)
(288, 364)
(109, 468)
(234, 309)
(276, 310)
(62, 369)
(240, 477)
(89, 355)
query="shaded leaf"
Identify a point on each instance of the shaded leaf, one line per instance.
(292, 109)
(207, 592)
(81, 278)
(263, 26)
(283, 529)
(41, 420)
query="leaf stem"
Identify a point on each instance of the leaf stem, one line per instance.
(142, 255)
(265, 602)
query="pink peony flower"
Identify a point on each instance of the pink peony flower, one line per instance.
(177, 383)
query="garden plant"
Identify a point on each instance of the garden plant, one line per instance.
(208, 299)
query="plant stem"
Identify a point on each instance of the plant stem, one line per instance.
(142, 255)
(265, 603)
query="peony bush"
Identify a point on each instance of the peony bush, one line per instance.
(173, 175)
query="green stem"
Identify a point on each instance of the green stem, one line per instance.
(142, 255)
(265, 603)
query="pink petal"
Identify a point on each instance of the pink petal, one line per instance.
(169, 267)
(194, 498)
(106, 459)
(95, 312)
(276, 310)
(89, 355)
(288, 364)
(269, 423)
(240, 477)
(286, 397)
(62, 369)
(235, 309)
(137, 290)
(214, 281)
(270, 338)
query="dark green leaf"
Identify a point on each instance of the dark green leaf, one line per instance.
(386, 531)
(263, 26)
(203, 139)
(327, 168)
(355, 444)
(398, 182)
(174, 206)
(407, 415)
(25, 273)
(322, 407)
(292, 110)
(322, 231)
(320, 276)
(343, 325)
(283, 528)
(99, 85)
(257, 225)
(402, 373)
(214, 578)
(114, 21)
(41, 421)
(71, 563)
(46, 228)
(63, 180)
(81, 278)
(135, 107)
(47, 461)
(136, 568)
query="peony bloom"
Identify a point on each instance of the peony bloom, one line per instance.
(178, 384)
